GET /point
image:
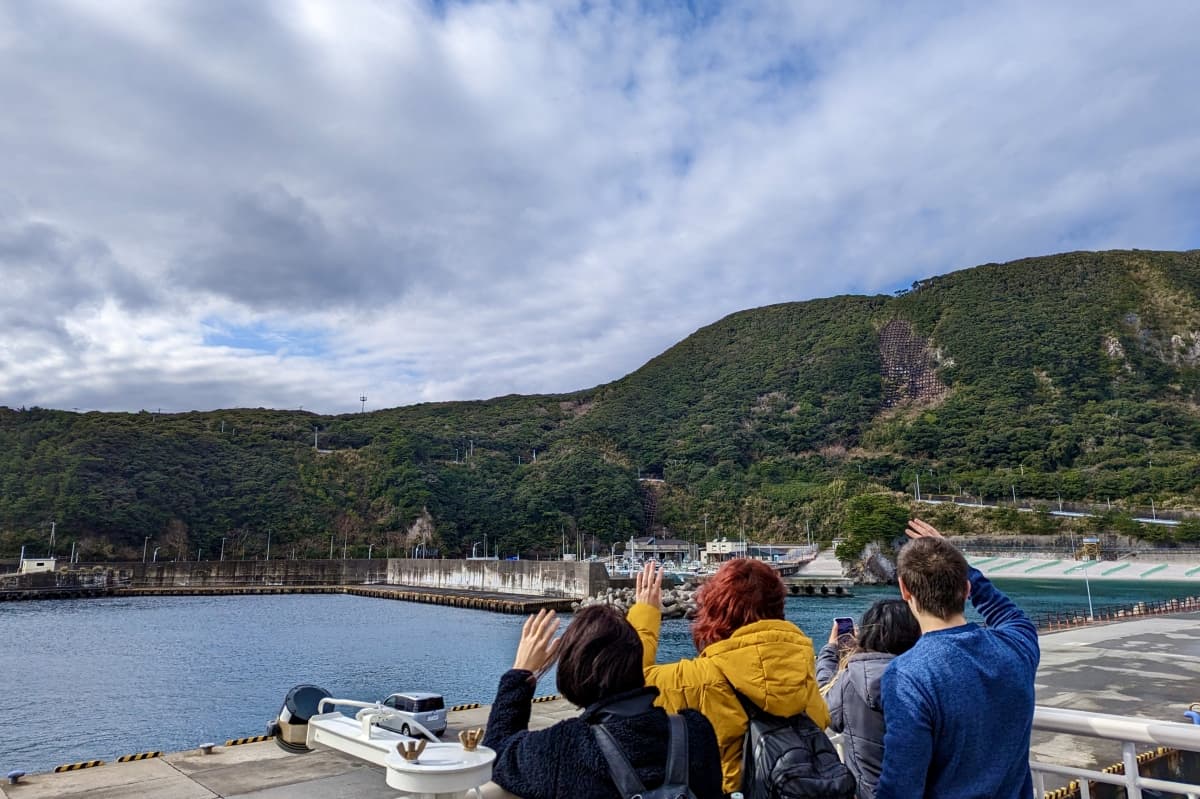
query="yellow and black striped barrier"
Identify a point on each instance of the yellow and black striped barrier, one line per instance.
(77, 766)
(138, 756)
(471, 706)
(253, 739)
(549, 698)
(1071, 791)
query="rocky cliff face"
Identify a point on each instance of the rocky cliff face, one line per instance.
(875, 567)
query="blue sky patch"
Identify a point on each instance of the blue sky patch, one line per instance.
(261, 337)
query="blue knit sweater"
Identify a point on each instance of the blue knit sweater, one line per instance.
(959, 707)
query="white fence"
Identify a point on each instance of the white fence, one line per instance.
(1130, 733)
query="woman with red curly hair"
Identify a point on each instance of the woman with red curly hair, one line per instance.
(744, 644)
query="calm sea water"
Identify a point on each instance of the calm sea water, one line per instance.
(100, 678)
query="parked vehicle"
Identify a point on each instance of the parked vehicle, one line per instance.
(422, 707)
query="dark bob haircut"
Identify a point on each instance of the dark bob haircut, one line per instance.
(742, 592)
(600, 656)
(888, 626)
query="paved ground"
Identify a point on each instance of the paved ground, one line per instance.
(1147, 667)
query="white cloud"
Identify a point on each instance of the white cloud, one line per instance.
(526, 197)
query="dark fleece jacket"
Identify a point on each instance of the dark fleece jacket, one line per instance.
(565, 761)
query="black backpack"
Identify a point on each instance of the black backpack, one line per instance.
(675, 781)
(790, 758)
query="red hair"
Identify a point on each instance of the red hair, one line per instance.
(742, 591)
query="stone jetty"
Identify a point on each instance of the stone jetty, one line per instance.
(678, 603)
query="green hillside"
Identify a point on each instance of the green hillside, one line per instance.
(1073, 377)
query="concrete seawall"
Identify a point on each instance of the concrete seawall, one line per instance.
(527, 578)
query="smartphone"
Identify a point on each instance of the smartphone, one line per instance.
(845, 626)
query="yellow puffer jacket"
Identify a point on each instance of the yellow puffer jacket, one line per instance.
(771, 663)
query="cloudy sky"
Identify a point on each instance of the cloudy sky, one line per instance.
(216, 203)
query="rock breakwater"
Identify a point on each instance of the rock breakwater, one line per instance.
(678, 603)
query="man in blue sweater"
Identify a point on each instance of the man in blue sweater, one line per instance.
(958, 705)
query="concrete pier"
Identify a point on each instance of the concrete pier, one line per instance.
(502, 586)
(1148, 667)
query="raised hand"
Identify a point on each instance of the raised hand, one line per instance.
(648, 586)
(920, 529)
(538, 648)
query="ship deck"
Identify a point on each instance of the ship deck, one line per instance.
(1148, 667)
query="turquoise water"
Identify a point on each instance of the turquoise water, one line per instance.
(100, 678)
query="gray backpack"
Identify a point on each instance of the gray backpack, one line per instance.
(675, 781)
(790, 758)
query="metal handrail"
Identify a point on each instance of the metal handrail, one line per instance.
(1127, 731)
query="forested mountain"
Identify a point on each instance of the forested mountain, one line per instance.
(1072, 376)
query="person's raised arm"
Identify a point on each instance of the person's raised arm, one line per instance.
(1002, 615)
(646, 613)
(672, 679)
(522, 757)
(536, 652)
(829, 658)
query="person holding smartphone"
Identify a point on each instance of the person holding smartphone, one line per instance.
(849, 670)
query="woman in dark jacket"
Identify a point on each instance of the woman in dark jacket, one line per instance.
(600, 670)
(850, 682)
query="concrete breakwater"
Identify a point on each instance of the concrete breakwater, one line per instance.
(550, 579)
(504, 586)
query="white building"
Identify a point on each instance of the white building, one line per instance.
(31, 565)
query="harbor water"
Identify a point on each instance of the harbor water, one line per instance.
(100, 678)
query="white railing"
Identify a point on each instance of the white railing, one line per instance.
(1130, 733)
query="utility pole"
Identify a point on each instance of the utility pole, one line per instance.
(268, 543)
(363, 399)
(222, 548)
(918, 485)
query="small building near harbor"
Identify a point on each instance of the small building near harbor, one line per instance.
(723, 549)
(33, 565)
(660, 549)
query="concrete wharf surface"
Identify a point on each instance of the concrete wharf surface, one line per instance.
(1147, 667)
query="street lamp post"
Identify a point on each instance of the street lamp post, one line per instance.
(268, 543)
(473, 549)
(1087, 584)
(155, 558)
(369, 548)
(145, 544)
(222, 548)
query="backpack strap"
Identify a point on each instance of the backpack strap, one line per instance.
(622, 771)
(619, 767)
(677, 752)
(753, 711)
